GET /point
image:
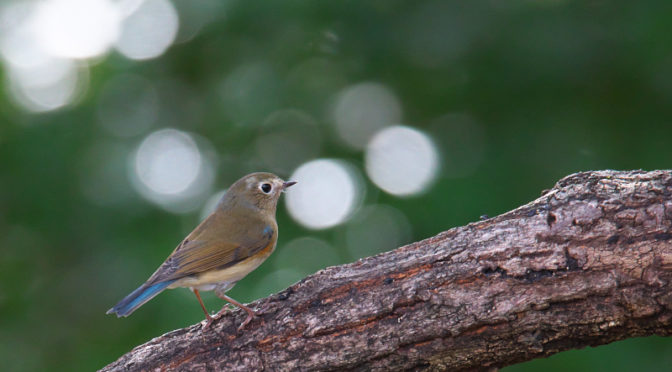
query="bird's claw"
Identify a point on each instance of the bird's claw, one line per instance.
(209, 320)
(245, 322)
(250, 315)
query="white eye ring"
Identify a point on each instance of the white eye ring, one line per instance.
(265, 187)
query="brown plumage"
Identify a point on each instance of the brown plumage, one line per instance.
(231, 242)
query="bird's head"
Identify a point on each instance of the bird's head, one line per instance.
(260, 190)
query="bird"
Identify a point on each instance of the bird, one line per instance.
(226, 246)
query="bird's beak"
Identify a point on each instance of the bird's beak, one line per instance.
(285, 185)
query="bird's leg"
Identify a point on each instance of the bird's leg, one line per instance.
(207, 315)
(250, 312)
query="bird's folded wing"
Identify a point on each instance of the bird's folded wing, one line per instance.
(195, 257)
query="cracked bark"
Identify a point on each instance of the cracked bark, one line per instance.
(588, 263)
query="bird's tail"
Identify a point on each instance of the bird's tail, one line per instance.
(138, 297)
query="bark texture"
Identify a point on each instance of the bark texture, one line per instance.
(588, 263)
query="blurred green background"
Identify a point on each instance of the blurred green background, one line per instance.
(122, 121)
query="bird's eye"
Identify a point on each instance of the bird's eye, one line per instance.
(265, 187)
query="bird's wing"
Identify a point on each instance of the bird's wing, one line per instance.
(205, 253)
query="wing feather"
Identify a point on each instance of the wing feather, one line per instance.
(197, 256)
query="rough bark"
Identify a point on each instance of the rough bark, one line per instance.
(588, 263)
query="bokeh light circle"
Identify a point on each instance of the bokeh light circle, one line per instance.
(39, 79)
(48, 86)
(149, 30)
(363, 109)
(174, 170)
(401, 160)
(326, 194)
(18, 44)
(167, 161)
(76, 28)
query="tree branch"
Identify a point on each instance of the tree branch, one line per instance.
(588, 263)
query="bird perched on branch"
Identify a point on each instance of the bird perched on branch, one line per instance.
(231, 242)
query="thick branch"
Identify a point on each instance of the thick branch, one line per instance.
(588, 263)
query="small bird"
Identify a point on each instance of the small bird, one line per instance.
(231, 242)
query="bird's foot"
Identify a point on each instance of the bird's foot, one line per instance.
(209, 320)
(250, 315)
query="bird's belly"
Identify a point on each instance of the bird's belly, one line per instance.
(207, 281)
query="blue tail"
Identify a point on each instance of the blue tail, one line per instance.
(137, 298)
